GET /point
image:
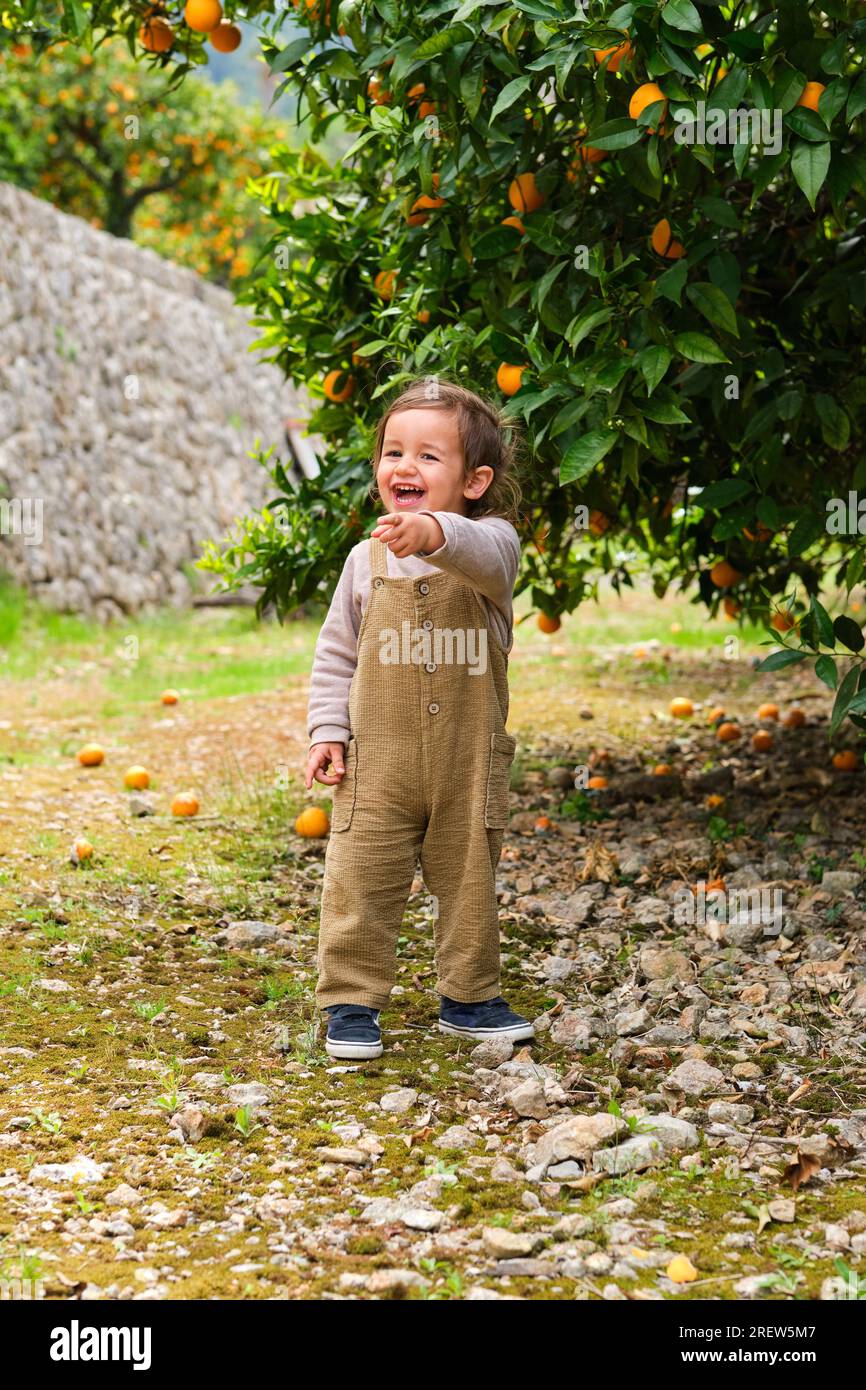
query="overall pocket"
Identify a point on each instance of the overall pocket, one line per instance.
(502, 748)
(344, 791)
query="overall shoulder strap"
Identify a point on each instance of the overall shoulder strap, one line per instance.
(378, 559)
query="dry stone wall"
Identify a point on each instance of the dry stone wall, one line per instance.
(129, 403)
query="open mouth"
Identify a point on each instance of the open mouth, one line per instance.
(405, 494)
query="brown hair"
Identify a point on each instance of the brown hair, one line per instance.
(487, 439)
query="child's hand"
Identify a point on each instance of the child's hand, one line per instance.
(407, 533)
(320, 755)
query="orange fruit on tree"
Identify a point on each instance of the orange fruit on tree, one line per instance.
(782, 620)
(514, 222)
(426, 108)
(169, 697)
(664, 243)
(644, 96)
(548, 624)
(416, 93)
(202, 15)
(156, 35)
(384, 283)
(590, 154)
(423, 316)
(312, 823)
(598, 523)
(377, 93)
(728, 732)
(421, 209)
(731, 607)
(724, 575)
(762, 741)
(508, 378)
(597, 783)
(768, 711)
(524, 195)
(91, 755)
(846, 760)
(682, 707)
(226, 37)
(761, 533)
(333, 391)
(136, 778)
(810, 94)
(795, 718)
(185, 804)
(618, 53)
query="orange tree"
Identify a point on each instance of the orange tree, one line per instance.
(103, 137)
(644, 220)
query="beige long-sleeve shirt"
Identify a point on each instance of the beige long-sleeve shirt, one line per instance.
(482, 551)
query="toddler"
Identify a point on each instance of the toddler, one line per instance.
(408, 703)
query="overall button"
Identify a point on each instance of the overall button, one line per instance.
(427, 624)
(423, 588)
(377, 583)
(431, 666)
(433, 708)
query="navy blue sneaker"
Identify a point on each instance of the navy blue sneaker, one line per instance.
(353, 1032)
(490, 1019)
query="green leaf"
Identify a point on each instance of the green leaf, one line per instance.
(582, 456)
(809, 165)
(723, 493)
(670, 283)
(777, 660)
(844, 698)
(663, 412)
(584, 323)
(441, 42)
(857, 99)
(714, 304)
(806, 123)
(615, 135)
(822, 622)
(653, 362)
(681, 14)
(545, 284)
(825, 670)
(509, 95)
(697, 347)
(835, 425)
(807, 530)
(291, 54)
(849, 633)
(495, 243)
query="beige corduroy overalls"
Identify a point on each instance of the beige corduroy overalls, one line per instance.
(426, 774)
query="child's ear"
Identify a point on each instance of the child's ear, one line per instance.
(478, 481)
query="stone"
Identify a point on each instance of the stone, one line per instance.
(77, 1171)
(398, 1101)
(672, 1131)
(727, 1112)
(665, 964)
(190, 1122)
(353, 1158)
(576, 1138)
(527, 1100)
(503, 1244)
(571, 1031)
(694, 1078)
(782, 1209)
(248, 935)
(561, 1172)
(839, 881)
(389, 1280)
(746, 1071)
(456, 1137)
(53, 986)
(122, 1196)
(836, 1237)
(492, 1052)
(631, 1021)
(382, 1211)
(249, 1094)
(139, 804)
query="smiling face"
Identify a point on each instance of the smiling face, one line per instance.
(422, 467)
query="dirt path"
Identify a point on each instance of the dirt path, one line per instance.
(170, 1126)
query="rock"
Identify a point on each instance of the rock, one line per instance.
(727, 1112)
(694, 1078)
(492, 1052)
(53, 986)
(247, 935)
(249, 1094)
(836, 1237)
(822, 948)
(456, 1137)
(562, 777)
(555, 969)
(397, 1102)
(78, 1171)
(478, 1294)
(122, 1196)
(576, 1138)
(561, 1172)
(140, 804)
(354, 1158)
(190, 1122)
(742, 935)
(665, 964)
(504, 1171)
(389, 1280)
(571, 1031)
(673, 1132)
(632, 1021)
(782, 1209)
(503, 1244)
(839, 881)
(746, 1071)
(527, 1100)
(383, 1210)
